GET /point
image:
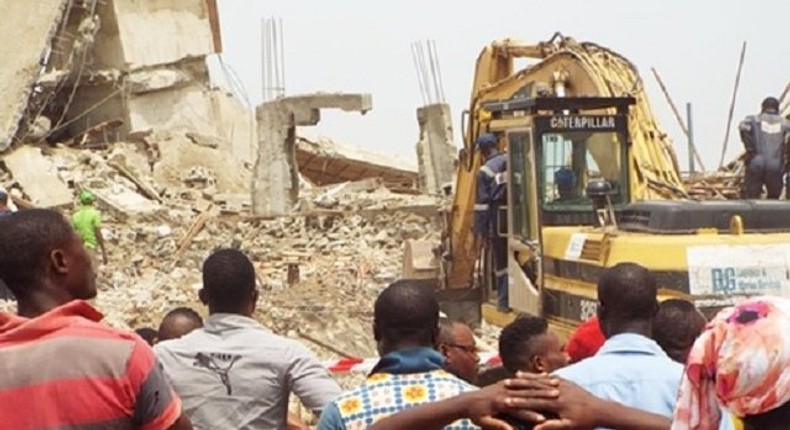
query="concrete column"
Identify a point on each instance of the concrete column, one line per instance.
(436, 152)
(275, 183)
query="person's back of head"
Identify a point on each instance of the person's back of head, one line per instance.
(585, 341)
(492, 375)
(229, 283)
(676, 326)
(148, 334)
(406, 315)
(527, 345)
(40, 251)
(627, 300)
(178, 322)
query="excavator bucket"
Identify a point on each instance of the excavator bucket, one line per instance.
(421, 265)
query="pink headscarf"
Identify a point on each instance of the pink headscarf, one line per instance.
(741, 362)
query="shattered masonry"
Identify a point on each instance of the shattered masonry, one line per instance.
(132, 115)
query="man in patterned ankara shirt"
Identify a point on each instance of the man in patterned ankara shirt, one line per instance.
(409, 373)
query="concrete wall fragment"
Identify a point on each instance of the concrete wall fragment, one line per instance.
(436, 153)
(275, 184)
(27, 32)
(166, 31)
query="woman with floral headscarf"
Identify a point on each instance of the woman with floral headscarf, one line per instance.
(742, 363)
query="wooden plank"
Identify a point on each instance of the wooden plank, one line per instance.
(148, 190)
(193, 230)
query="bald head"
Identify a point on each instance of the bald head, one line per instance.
(178, 322)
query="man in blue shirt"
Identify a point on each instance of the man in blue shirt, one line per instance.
(490, 196)
(630, 368)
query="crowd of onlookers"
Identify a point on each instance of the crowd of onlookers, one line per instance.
(639, 364)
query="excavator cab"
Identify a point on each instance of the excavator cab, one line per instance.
(557, 147)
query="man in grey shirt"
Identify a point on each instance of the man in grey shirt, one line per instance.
(234, 373)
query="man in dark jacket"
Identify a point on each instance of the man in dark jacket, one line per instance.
(490, 196)
(765, 138)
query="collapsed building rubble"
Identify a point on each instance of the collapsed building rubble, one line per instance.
(97, 104)
(346, 248)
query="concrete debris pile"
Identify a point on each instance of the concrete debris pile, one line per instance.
(320, 268)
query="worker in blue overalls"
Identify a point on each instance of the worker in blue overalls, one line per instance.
(490, 196)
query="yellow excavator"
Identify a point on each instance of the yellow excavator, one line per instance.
(582, 110)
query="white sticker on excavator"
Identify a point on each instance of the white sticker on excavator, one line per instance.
(575, 246)
(739, 269)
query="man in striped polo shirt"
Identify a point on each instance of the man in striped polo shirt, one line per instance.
(61, 368)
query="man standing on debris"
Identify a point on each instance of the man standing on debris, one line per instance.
(490, 196)
(62, 368)
(409, 373)
(233, 372)
(766, 138)
(87, 222)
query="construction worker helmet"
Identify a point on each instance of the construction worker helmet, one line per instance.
(86, 197)
(486, 141)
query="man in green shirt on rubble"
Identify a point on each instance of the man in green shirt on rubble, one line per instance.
(87, 222)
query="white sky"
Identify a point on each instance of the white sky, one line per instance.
(365, 46)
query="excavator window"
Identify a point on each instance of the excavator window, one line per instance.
(520, 171)
(569, 160)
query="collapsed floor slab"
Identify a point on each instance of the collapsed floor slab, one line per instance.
(324, 162)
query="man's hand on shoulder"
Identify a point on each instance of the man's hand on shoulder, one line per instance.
(521, 397)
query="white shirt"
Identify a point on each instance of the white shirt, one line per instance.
(236, 374)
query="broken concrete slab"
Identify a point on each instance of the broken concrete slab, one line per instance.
(326, 162)
(123, 202)
(174, 29)
(38, 177)
(29, 28)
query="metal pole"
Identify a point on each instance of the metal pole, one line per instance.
(263, 59)
(282, 57)
(732, 104)
(677, 115)
(690, 135)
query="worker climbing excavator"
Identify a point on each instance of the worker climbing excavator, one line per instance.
(591, 182)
